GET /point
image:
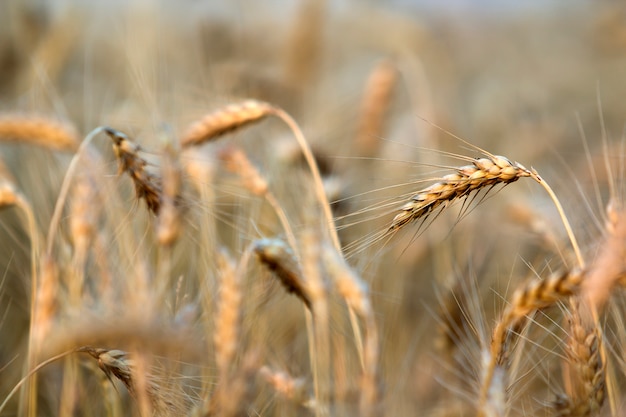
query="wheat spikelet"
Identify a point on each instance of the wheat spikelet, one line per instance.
(374, 105)
(483, 173)
(39, 131)
(147, 185)
(227, 321)
(224, 121)
(584, 370)
(278, 258)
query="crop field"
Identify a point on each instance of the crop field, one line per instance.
(312, 208)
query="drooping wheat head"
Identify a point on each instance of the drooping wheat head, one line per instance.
(147, 186)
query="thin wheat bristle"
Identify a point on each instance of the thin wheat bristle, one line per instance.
(483, 173)
(224, 121)
(584, 371)
(147, 185)
(39, 131)
(278, 258)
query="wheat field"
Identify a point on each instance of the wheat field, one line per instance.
(312, 208)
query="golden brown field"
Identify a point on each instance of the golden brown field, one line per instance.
(312, 208)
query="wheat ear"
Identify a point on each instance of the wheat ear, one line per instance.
(374, 106)
(227, 320)
(226, 120)
(120, 365)
(39, 131)
(484, 173)
(584, 371)
(278, 258)
(534, 295)
(147, 185)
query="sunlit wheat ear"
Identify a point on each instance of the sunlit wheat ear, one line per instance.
(226, 120)
(534, 295)
(147, 185)
(278, 258)
(375, 103)
(39, 131)
(227, 320)
(484, 173)
(584, 370)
